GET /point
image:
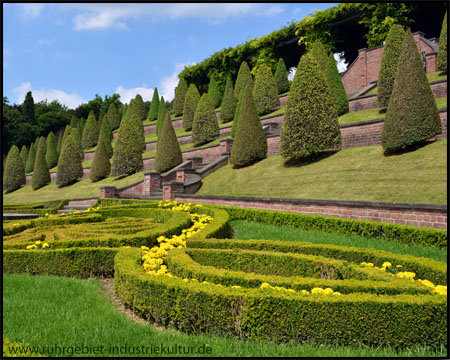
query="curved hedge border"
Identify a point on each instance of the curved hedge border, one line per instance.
(43, 208)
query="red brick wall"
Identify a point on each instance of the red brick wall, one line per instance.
(408, 215)
(90, 201)
(134, 190)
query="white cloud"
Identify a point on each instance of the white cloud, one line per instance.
(169, 83)
(127, 94)
(31, 11)
(70, 100)
(341, 64)
(102, 16)
(291, 73)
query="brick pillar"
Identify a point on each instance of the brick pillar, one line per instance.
(152, 182)
(431, 62)
(171, 188)
(180, 176)
(107, 192)
(225, 145)
(195, 161)
(362, 82)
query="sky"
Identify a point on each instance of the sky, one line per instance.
(70, 52)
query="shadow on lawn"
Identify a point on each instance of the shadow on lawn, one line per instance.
(298, 162)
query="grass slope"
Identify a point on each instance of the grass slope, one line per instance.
(361, 173)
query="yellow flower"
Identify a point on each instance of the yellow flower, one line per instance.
(328, 291)
(337, 293)
(398, 266)
(317, 291)
(386, 264)
(45, 245)
(39, 242)
(406, 274)
(236, 287)
(304, 292)
(264, 286)
(29, 247)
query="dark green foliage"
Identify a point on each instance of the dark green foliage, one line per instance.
(24, 155)
(214, 92)
(281, 77)
(113, 117)
(250, 142)
(228, 103)
(74, 121)
(310, 124)
(168, 152)
(336, 87)
(60, 142)
(442, 51)
(81, 126)
(124, 112)
(41, 175)
(30, 160)
(133, 113)
(28, 113)
(320, 54)
(101, 167)
(412, 115)
(154, 106)
(105, 134)
(90, 132)
(244, 75)
(69, 163)
(140, 107)
(237, 112)
(205, 126)
(76, 135)
(190, 105)
(51, 154)
(180, 95)
(14, 173)
(100, 121)
(161, 116)
(127, 156)
(265, 92)
(389, 62)
(67, 131)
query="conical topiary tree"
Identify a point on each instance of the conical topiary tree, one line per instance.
(389, 61)
(67, 131)
(51, 154)
(320, 54)
(60, 141)
(90, 132)
(265, 92)
(113, 117)
(14, 172)
(190, 105)
(74, 121)
(281, 77)
(442, 51)
(101, 167)
(133, 114)
(243, 76)
(30, 160)
(205, 126)
(168, 152)
(24, 156)
(228, 103)
(81, 126)
(214, 92)
(337, 89)
(105, 134)
(41, 175)
(77, 138)
(127, 156)
(154, 106)
(412, 115)
(310, 123)
(161, 116)
(180, 95)
(140, 107)
(250, 142)
(124, 112)
(70, 168)
(237, 112)
(100, 121)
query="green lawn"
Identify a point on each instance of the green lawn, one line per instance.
(48, 310)
(361, 173)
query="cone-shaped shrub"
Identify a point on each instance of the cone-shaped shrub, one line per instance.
(81, 125)
(214, 92)
(41, 175)
(168, 152)
(244, 75)
(113, 117)
(442, 51)
(101, 167)
(105, 134)
(205, 126)
(51, 155)
(30, 160)
(281, 77)
(336, 87)
(310, 124)
(140, 107)
(127, 156)
(389, 61)
(70, 168)
(14, 173)
(154, 106)
(60, 141)
(161, 116)
(90, 132)
(190, 105)
(237, 112)
(133, 113)
(265, 92)
(67, 131)
(99, 122)
(250, 142)
(74, 122)
(124, 112)
(320, 54)
(228, 103)
(412, 115)
(180, 95)
(24, 156)
(76, 135)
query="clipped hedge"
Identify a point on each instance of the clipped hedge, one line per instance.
(42, 208)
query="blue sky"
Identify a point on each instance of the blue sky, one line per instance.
(70, 52)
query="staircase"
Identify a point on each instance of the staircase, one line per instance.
(156, 195)
(201, 167)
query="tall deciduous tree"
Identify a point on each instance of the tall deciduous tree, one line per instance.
(180, 95)
(14, 173)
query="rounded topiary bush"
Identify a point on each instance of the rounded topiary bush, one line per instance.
(30, 160)
(281, 77)
(51, 154)
(389, 62)
(244, 76)
(310, 124)
(168, 152)
(90, 132)
(41, 175)
(190, 105)
(336, 87)
(101, 166)
(205, 126)
(180, 95)
(228, 103)
(412, 115)
(70, 168)
(14, 172)
(442, 51)
(154, 106)
(214, 92)
(265, 92)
